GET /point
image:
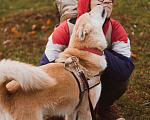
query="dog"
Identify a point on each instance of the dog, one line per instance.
(51, 90)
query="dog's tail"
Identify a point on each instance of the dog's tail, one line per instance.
(29, 77)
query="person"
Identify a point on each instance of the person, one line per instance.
(118, 56)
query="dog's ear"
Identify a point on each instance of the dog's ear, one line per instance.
(83, 31)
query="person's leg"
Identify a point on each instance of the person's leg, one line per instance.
(111, 91)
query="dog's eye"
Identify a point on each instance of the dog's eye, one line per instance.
(103, 12)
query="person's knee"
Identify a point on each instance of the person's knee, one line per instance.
(111, 93)
(122, 88)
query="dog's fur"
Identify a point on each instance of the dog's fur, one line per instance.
(50, 89)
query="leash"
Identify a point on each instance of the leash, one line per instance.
(80, 74)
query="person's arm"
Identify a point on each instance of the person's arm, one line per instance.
(119, 67)
(57, 42)
(119, 61)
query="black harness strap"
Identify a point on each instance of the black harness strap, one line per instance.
(82, 76)
(78, 84)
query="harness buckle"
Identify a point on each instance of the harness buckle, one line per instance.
(80, 71)
(74, 61)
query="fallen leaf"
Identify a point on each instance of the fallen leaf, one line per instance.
(39, 15)
(6, 42)
(34, 27)
(48, 22)
(34, 45)
(5, 30)
(31, 33)
(3, 19)
(13, 30)
(44, 28)
(1, 53)
(133, 55)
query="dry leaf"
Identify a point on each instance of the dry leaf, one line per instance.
(34, 45)
(5, 30)
(44, 28)
(34, 27)
(133, 55)
(48, 22)
(5, 42)
(39, 15)
(13, 30)
(31, 33)
(3, 19)
(1, 53)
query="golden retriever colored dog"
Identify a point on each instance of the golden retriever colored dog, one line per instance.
(51, 89)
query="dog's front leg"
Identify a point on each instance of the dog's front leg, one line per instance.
(84, 116)
(71, 116)
(83, 112)
(2, 114)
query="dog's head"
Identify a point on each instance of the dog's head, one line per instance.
(88, 31)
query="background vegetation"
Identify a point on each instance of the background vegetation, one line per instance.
(26, 24)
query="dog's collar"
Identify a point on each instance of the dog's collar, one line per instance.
(92, 50)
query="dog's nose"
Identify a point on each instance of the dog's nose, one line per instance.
(103, 12)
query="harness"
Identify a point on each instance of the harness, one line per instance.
(72, 66)
(83, 82)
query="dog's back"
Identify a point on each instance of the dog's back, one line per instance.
(57, 98)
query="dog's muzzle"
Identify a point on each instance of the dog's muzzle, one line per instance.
(103, 12)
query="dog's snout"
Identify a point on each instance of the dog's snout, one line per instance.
(103, 12)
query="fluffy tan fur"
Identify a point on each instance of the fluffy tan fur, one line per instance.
(51, 90)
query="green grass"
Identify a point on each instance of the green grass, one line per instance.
(23, 15)
(10, 6)
(134, 15)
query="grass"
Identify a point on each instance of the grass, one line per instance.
(10, 6)
(28, 44)
(134, 16)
